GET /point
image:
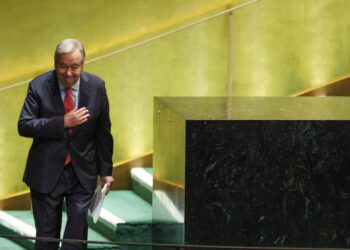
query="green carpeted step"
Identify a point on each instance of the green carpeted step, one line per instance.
(149, 170)
(15, 223)
(137, 214)
(27, 217)
(142, 182)
(128, 206)
(6, 244)
(125, 216)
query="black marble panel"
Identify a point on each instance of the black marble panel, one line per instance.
(268, 183)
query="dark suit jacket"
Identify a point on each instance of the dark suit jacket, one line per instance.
(90, 144)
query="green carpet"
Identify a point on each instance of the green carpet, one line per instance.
(27, 217)
(128, 206)
(149, 170)
(140, 189)
(6, 244)
(24, 216)
(125, 204)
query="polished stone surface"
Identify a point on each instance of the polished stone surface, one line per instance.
(268, 183)
(262, 171)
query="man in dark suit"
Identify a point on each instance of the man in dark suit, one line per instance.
(66, 112)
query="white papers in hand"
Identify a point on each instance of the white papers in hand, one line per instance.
(97, 201)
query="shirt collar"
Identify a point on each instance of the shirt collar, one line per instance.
(74, 87)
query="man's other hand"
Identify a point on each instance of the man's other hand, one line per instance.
(76, 117)
(107, 180)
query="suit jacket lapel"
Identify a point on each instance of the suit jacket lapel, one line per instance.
(55, 93)
(84, 90)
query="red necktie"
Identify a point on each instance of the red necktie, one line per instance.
(68, 106)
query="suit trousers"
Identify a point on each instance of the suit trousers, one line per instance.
(47, 211)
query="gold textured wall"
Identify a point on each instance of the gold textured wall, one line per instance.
(190, 62)
(279, 47)
(285, 46)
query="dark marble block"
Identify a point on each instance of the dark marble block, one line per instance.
(268, 183)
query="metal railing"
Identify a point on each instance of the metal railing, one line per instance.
(159, 245)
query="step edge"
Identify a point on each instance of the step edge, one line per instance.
(143, 177)
(109, 218)
(17, 225)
